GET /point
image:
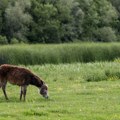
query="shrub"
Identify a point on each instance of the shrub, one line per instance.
(105, 34)
(14, 41)
(3, 40)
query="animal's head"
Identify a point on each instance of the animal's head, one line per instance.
(44, 91)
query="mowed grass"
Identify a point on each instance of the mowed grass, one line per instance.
(72, 97)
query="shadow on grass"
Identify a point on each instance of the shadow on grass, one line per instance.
(41, 99)
(11, 100)
(17, 100)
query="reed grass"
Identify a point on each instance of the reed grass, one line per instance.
(62, 53)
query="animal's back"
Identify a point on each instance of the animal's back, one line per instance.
(15, 75)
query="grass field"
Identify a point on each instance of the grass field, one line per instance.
(72, 97)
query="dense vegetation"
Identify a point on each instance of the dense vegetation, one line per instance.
(62, 53)
(71, 97)
(56, 21)
(79, 72)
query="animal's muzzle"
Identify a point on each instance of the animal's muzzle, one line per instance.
(46, 96)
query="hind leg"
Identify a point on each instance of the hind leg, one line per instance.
(4, 89)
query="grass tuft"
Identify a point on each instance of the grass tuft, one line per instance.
(35, 113)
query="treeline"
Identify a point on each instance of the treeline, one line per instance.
(56, 21)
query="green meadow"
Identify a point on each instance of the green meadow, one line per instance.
(78, 91)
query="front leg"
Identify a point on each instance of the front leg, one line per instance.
(23, 92)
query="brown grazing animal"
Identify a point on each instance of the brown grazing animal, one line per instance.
(21, 77)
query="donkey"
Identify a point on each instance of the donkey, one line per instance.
(22, 77)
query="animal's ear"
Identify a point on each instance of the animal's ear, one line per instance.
(44, 86)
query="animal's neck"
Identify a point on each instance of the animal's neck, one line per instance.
(36, 81)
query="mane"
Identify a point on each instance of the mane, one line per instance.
(35, 80)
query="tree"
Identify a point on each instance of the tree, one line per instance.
(53, 21)
(116, 4)
(3, 5)
(0, 21)
(17, 20)
(97, 15)
(45, 26)
(78, 18)
(106, 34)
(64, 8)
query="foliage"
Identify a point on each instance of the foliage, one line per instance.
(106, 34)
(50, 21)
(3, 40)
(44, 27)
(14, 41)
(17, 19)
(97, 14)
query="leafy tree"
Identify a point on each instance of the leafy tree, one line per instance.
(44, 27)
(17, 20)
(0, 21)
(116, 4)
(55, 21)
(3, 5)
(64, 8)
(78, 18)
(97, 14)
(106, 34)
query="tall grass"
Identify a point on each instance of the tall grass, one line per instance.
(78, 72)
(62, 53)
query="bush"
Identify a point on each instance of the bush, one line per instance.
(14, 41)
(105, 34)
(3, 40)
